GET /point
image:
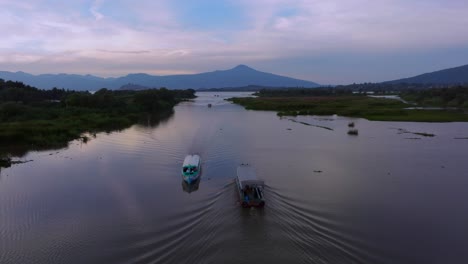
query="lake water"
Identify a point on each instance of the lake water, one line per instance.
(384, 196)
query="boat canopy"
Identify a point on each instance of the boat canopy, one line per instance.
(247, 176)
(191, 161)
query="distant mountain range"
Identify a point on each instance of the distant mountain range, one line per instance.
(236, 77)
(457, 75)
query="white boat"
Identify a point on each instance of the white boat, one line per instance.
(191, 168)
(250, 188)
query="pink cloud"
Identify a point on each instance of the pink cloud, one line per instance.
(39, 33)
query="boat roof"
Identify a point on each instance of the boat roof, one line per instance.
(247, 176)
(191, 160)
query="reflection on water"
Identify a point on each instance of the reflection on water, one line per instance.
(330, 198)
(192, 187)
(154, 120)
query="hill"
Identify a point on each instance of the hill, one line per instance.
(236, 77)
(457, 75)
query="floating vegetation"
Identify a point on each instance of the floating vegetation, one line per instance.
(5, 162)
(404, 131)
(307, 124)
(351, 124)
(424, 134)
(353, 132)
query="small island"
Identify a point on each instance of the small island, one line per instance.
(448, 104)
(34, 119)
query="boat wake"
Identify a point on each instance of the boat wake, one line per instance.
(315, 231)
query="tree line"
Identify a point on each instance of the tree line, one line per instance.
(37, 119)
(19, 94)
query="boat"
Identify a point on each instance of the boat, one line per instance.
(191, 168)
(209, 105)
(249, 187)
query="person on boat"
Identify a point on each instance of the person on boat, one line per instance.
(247, 192)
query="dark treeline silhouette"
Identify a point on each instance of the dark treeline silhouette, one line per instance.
(146, 100)
(391, 88)
(19, 94)
(445, 97)
(11, 91)
(301, 92)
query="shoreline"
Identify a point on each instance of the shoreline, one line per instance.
(36, 122)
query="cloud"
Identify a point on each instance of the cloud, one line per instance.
(360, 24)
(124, 51)
(150, 36)
(94, 9)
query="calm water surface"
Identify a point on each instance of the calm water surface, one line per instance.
(384, 196)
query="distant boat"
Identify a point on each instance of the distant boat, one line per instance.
(250, 188)
(209, 105)
(191, 168)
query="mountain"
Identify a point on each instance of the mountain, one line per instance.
(47, 81)
(457, 75)
(236, 77)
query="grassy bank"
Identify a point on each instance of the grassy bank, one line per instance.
(377, 109)
(67, 125)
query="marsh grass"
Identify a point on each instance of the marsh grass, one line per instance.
(376, 109)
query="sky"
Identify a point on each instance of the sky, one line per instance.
(329, 41)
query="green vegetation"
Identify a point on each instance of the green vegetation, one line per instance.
(39, 119)
(344, 102)
(305, 92)
(439, 97)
